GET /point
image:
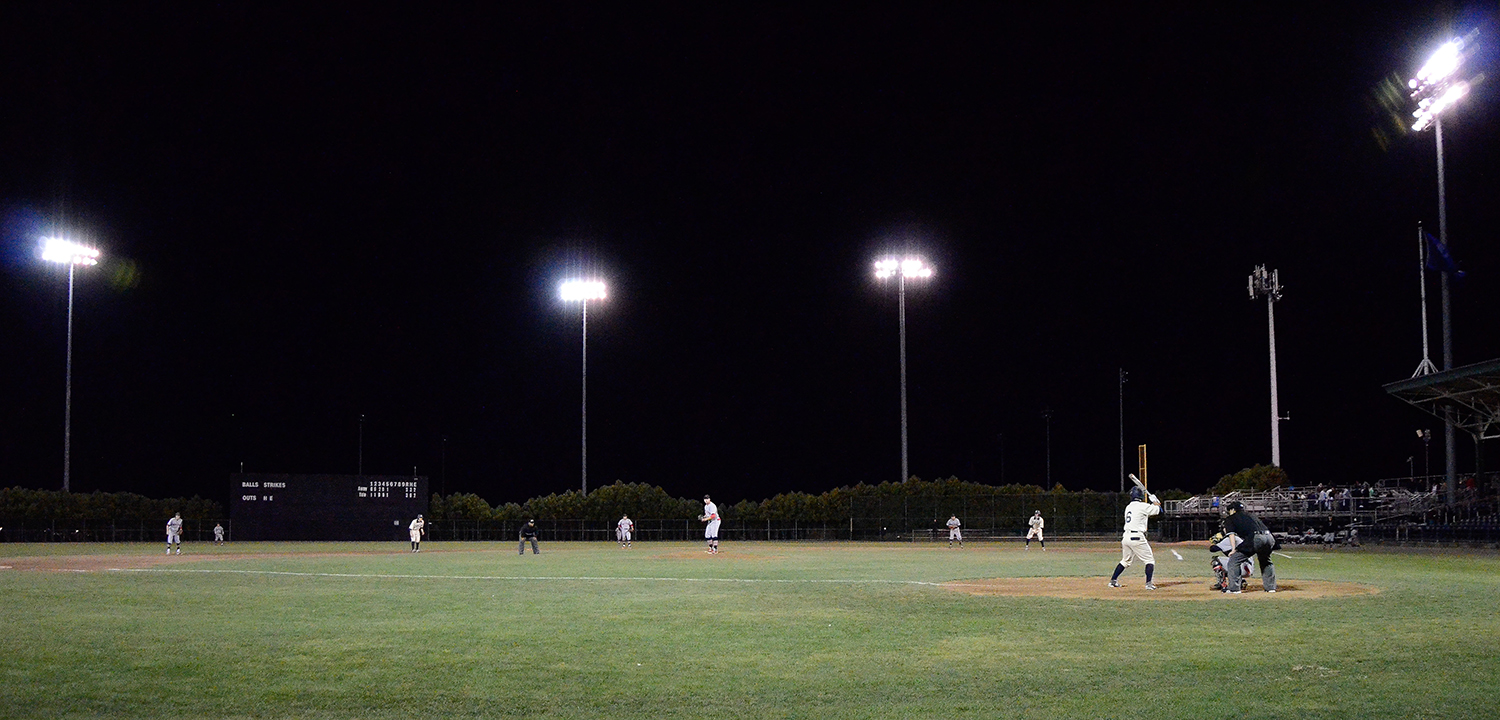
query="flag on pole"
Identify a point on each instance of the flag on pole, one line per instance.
(1438, 258)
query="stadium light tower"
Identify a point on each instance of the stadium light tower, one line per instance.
(1437, 90)
(72, 254)
(902, 268)
(583, 291)
(1266, 285)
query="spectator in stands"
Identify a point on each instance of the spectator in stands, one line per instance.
(1345, 499)
(1215, 504)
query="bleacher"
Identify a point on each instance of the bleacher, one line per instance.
(1361, 507)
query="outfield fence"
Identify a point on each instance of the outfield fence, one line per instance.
(108, 530)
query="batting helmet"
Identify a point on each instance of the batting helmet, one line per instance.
(1235, 505)
(1137, 494)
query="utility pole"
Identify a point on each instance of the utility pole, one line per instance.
(1266, 285)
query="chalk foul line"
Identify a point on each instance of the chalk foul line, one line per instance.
(1297, 557)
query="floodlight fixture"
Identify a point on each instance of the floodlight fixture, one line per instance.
(908, 267)
(582, 291)
(55, 249)
(72, 254)
(1443, 63)
(1428, 109)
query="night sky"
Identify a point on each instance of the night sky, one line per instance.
(313, 214)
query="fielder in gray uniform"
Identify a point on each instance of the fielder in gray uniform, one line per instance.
(623, 528)
(174, 533)
(954, 533)
(1133, 545)
(1258, 542)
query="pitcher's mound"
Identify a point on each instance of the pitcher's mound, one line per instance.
(1166, 589)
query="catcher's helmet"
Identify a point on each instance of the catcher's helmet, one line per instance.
(1137, 494)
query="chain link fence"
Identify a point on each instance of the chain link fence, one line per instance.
(108, 530)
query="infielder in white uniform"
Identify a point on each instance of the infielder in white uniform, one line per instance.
(174, 533)
(416, 528)
(623, 530)
(1036, 522)
(218, 534)
(954, 533)
(1133, 545)
(711, 531)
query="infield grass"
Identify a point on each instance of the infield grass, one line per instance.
(765, 630)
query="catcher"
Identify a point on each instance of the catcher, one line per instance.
(1222, 543)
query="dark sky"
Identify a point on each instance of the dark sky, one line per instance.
(313, 214)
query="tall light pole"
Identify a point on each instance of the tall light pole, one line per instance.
(1265, 284)
(902, 268)
(1047, 415)
(583, 291)
(361, 466)
(1436, 90)
(1124, 377)
(72, 254)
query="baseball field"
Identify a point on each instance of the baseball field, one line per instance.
(763, 630)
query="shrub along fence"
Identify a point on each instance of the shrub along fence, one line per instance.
(994, 515)
(193, 530)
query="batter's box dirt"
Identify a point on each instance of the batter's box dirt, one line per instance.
(1166, 589)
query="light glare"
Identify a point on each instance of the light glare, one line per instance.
(583, 290)
(908, 267)
(1442, 63)
(65, 251)
(1429, 109)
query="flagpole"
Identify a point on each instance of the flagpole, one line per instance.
(1425, 367)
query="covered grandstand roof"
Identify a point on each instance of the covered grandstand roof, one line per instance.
(1471, 391)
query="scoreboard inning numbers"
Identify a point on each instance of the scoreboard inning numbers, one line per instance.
(324, 507)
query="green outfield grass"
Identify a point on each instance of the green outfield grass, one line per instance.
(765, 630)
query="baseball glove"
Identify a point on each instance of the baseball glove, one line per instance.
(701, 518)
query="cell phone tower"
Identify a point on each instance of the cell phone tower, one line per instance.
(1266, 285)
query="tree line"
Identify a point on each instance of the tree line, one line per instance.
(641, 501)
(17, 503)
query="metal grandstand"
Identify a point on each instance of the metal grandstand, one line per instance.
(1292, 513)
(1471, 393)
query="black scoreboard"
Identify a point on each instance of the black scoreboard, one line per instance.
(324, 507)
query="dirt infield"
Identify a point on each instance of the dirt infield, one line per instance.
(1166, 589)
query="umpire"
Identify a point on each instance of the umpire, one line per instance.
(1257, 542)
(528, 532)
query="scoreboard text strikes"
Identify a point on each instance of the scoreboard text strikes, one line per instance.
(261, 498)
